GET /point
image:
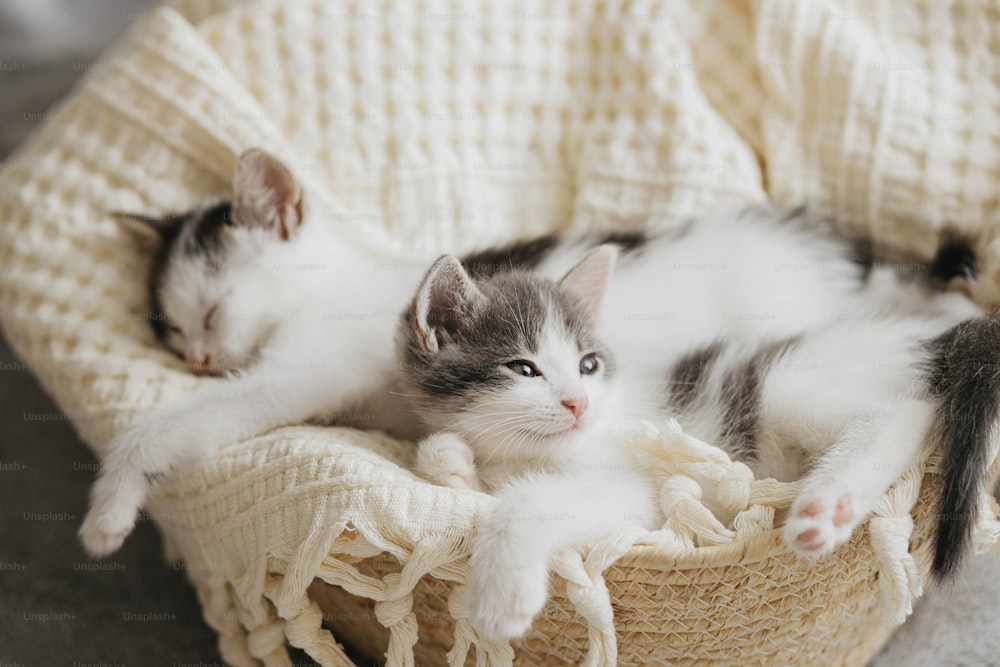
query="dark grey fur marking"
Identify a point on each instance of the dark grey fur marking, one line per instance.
(505, 325)
(859, 250)
(963, 376)
(152, 477)
(523, 255)
(862, 253)
(627, 242)
(741, 396)
(633, 243)
(689, 375)
(206, 236)
(955, 258)
(157, 316)
(197, 232)
(527, 255)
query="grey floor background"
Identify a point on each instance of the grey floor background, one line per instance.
(59, 608)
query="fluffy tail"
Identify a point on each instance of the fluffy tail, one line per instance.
(963, 375)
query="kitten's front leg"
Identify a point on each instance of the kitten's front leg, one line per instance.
(147, 449)
(223, 412)
(508, 570)
(852, 475)
(535, 517)
(445, 459)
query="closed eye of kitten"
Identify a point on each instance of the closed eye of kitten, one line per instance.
(213, 297)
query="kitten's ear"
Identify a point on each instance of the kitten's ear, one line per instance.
(588, 279)
(265, 194)
(147, 231)
(441, 301)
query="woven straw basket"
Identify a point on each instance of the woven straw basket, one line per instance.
(446, 125)
(748, 601)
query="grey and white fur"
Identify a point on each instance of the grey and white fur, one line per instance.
(293, 345)
(848, 406)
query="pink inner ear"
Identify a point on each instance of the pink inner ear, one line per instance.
(443, 291)
(588, 279)
(428, 340)
(293, 212)
(267, 193)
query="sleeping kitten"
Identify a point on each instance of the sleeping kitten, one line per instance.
(258, 290)
(505, 367)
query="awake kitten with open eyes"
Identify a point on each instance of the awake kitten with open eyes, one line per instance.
(505, 368)
(511, 373)
(512, 366)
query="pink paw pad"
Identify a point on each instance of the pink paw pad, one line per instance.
(844, 512)
(810, 539)
(820, 525)
(814, 508)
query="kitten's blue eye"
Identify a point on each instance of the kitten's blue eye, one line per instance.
(589, 364)
(523, 368)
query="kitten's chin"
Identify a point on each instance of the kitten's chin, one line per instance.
(208, 372)
(522, 446)
(549, 434)
(213, 371)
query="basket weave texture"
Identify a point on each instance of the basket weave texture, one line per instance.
(432, 126)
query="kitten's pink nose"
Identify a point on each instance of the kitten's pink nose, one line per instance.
(576, 405)
(199, 365)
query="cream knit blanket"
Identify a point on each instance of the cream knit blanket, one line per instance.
(451, 125)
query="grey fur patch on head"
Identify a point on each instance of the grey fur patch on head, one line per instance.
(199, 232)
(265, 195)
(203, 232)
(504, 322)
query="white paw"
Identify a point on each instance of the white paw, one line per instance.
(820, 522)
(503, 602)
(445, 459)
(118, 493)
(105, 529)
